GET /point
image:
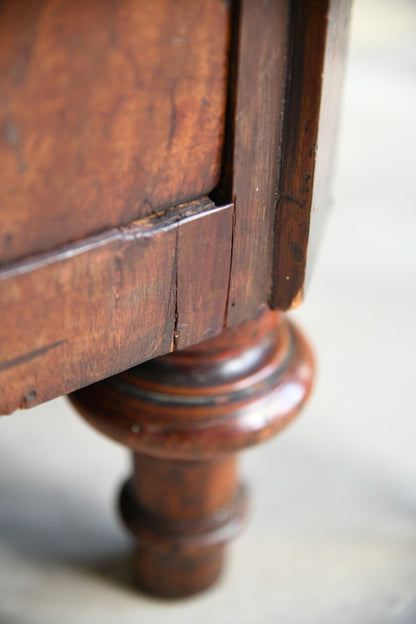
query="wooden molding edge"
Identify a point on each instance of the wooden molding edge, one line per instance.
(93, 308)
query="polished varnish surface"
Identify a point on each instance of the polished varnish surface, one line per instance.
(185, 415)
(140, 106)
(157, 189)
(101, 305)
(109, 111)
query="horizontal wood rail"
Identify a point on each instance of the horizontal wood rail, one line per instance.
(135, 291)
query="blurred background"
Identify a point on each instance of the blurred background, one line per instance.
(332, 533)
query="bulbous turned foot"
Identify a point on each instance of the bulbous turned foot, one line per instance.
(185, 415)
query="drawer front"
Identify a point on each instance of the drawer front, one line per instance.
(109, 111)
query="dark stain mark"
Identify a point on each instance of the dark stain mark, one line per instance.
(30, 396)
(205, 102)
(291, 200)
(146, 203)
(172, 114)
(296, 252)
(22, 359)
(11, 133)
(7, 240)
(118, 281)
(312, 151)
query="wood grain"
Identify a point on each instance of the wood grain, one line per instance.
(230, 392)
(317, 35)
(251, 159)
(185, 415)
(88, 309)
(94, 308)
(203, 267)
(109, 111)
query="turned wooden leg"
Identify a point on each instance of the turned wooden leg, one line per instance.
(185, 415)
(182, 512)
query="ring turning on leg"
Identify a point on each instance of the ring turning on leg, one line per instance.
(185, 415)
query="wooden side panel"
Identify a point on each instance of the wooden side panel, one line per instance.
(92, 309)
(252, 166)
(109, 111)
(318, 34)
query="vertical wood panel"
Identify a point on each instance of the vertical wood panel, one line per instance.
(250, 170)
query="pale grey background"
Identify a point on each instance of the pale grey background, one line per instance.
(332, 536)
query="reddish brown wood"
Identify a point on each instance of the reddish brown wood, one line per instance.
(185, 415)
(202, 277)
(94, 307)
(109, 111)
(182, 513)
(100, 306)
(252, 151)
(317, 44)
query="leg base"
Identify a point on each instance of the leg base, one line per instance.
(180, 551)
(174, 575)
(185, 415)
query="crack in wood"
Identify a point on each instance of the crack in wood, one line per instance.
(175, 264)
(227, 302)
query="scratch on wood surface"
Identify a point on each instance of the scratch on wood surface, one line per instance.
(22, 359)
(172, 114)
